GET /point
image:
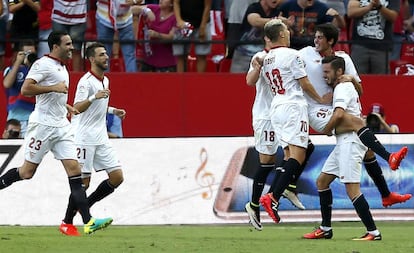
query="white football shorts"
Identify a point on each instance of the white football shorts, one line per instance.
(291, 125)
(40, 139)
(98, 158)
(345, 160)
(264, 137)
(319, 116)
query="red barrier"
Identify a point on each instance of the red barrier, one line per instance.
(219, 104)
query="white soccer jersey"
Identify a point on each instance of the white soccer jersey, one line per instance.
(50, 108)
(346, 97)
(264, 94)
(90, 125)
(345, 160)
(282, 67)
(313, 66)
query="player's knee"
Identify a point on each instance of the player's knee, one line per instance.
(369, 155)
(116, 178)
(27, 171)
(322, 183)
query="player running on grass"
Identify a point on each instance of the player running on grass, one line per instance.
(49, 129)
(91, 137)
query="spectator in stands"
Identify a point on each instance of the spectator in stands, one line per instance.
(193, 23)
(18, 106)
(12, 129)
(338, 5)
(159, 26)
(255, 17)
(376, 120)
(114, 124)
(24, 24)
(112, 16)
(70, 16)
(307, 14)
(4, 18)
(398, 36)
(372, 34)
(45, 26)
(234, 27)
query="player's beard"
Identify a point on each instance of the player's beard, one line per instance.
(102, 66)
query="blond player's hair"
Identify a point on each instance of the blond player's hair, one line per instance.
(273, 28)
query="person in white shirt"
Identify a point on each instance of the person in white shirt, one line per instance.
(265, 140)
(264, 135)
(95, 152)
(285, 72)
(49, 128)
(345, 161)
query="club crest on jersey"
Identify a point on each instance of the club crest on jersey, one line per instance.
(300, 62)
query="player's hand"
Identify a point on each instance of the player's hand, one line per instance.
(71, 110)
(327, 132)
(327, 98)
(103, 94)
(60, 88)
(121, 113)
(257, 63)
(345, 78)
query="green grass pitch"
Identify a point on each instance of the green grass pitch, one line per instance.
(284, 238)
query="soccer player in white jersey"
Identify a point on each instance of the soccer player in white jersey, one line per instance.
(265, 140)
(326, 36)
(345, 161)
(284, 70)
(264, 135)
(91, 137)
(49, 129)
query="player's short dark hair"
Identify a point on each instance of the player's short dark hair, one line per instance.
(329, 30)
(55, 38)
(336, 62)
(90, 50)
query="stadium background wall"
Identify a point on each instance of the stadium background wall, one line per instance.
(216, 104)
